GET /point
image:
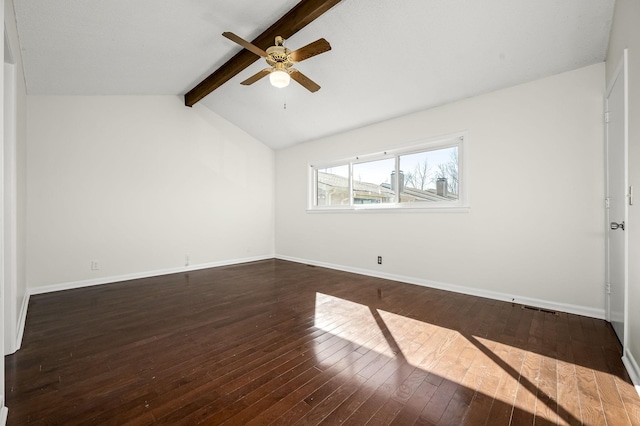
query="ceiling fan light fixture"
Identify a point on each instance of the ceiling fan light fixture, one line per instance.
(279, 78)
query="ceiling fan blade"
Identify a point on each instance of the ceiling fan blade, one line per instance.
(305, 81)
(310, 50)
(244, 43)
(257, 76)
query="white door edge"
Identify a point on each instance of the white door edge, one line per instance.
(621, 70)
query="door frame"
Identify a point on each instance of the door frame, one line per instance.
(9, 195)
(621, 70)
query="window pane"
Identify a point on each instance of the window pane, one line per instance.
(372, 182)
(429, 176)
(333, 186)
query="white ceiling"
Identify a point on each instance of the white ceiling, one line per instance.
(389, 57)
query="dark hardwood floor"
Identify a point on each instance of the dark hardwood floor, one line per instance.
(275, 342)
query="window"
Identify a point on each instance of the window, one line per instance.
(332, 185)
(371, 182)
(426, 176)
(429, 175)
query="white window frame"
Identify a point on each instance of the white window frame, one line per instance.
(459, 139)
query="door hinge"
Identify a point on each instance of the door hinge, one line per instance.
(607, 203)
(631, 195)
(607, 287)
(606, 117)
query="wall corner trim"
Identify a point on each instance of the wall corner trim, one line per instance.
(633, 369)
(471, 291)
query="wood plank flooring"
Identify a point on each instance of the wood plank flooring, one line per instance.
(276, 342)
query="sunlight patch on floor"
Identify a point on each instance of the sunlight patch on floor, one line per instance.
(347, 320)
(481, 366)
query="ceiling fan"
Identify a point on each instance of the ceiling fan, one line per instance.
(281, 60)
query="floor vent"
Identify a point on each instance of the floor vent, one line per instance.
(545, 311)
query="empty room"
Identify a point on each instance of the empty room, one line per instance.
(320, 212)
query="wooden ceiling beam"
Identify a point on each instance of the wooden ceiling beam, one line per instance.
(293, 21)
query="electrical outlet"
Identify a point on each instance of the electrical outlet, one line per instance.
(95, 265)
(379, 260)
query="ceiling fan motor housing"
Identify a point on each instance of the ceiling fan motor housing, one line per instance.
(279, 55)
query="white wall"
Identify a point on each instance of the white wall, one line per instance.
(535, 229)
(625, 33)
(136, 184)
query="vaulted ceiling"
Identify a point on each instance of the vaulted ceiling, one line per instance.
(388, 57)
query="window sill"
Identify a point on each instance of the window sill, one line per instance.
(392, 209)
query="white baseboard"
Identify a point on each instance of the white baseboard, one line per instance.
(539, 303)
(4, 412)
(472, 291)
(138, 275)
(22, 319)
(632, 368)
